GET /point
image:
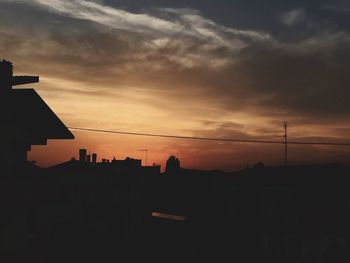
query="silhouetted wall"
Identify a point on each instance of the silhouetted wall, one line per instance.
(6, 74)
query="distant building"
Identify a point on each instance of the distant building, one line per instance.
(25, 118)
(82, 155)
(88, 164)
(127, 163)
(94, 158)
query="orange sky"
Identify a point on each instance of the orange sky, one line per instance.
(136, 109)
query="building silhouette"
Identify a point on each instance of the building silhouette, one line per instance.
(82, 155)
(94, 158)
(26, 119)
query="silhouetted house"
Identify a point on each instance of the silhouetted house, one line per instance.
(26, 119)
(128, 163)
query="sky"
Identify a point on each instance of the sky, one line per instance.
(223, 69)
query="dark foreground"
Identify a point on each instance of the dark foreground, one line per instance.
(295, 214)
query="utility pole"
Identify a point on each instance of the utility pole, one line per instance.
(146, 151)
(285, 144)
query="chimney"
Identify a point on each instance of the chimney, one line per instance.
(88, 158)
(82, 155)
(94, 158)
(6, 75)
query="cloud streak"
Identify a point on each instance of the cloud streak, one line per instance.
(165, 23)
(294, 17)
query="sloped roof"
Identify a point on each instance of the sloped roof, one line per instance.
(32, 119)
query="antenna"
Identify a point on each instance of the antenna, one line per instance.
(285, 144)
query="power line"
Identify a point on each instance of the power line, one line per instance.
(209, 139)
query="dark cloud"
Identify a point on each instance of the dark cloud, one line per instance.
(308, 78)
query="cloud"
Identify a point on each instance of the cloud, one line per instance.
(308, 77)
(294, 17)
(337, 8)
(108, 16)
(178, 36)
(162, 25)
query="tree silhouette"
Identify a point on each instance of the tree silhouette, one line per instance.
(172, 165)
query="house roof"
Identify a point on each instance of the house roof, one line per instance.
(32, 120)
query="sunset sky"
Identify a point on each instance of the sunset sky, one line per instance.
(223, 69)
